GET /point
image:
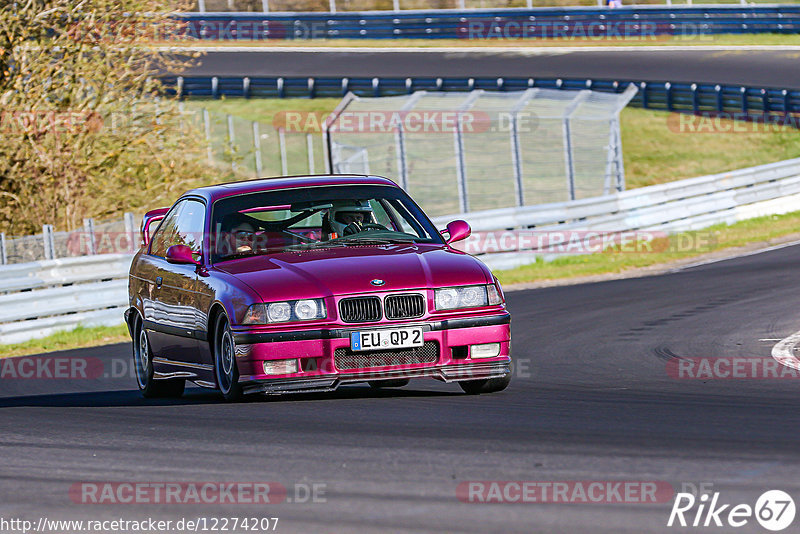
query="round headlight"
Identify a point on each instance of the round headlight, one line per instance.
(446, 299)
(278, 312)
(471, 297)
(306, 309)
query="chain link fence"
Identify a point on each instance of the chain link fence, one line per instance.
(464, 152)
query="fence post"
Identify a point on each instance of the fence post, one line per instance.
(461, 5)
(396, 5)
(246, 87)
(745, 103)
(3, 251)
(720, 99)
(695, 99)
(179, 88)
(215, 87)
(49, 242)
(333, 6)
(207, 126)
(568, 152)
(310, 152)
(516, 150)
(265, 6)
(282, 142)
(458, 141)
(257, 149)
(130, 229)
(400, 154)
(231, 141)
(88, 230)
(201, 6)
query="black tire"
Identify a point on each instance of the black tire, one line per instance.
(143, 365)
(225, 368)
(395, 383)
(487, 385)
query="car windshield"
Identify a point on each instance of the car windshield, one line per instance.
(316, 217)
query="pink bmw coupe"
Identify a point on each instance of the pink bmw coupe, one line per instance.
(302, 284)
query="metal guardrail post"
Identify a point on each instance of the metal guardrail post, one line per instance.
(201, 6)
(179, 87)
(207, 127)
(516, 150)
(284, 160)
(130, 230)
(49, 242)
(88, 230)
(257, 149)
(568, 151)
(310, 152)
(332, 4)
(395, 5)
(215, 87)
(3, 251)
(265, 6)
(246, 87)
(231, 141)
(458, 140)
(720, 99)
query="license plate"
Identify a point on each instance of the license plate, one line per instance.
(395, 338)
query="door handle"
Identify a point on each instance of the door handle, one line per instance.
(159, 280)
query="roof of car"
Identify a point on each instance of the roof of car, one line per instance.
(215, 192)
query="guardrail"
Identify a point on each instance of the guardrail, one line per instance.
(763, 102)
(672, 207)
(645, 22)
(40, 298)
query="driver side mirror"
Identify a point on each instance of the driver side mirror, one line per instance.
(181, 255)
(457, 231)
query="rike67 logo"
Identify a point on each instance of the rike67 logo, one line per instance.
(774, 510)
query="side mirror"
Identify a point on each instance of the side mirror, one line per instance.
(181, 255)
(457, 230)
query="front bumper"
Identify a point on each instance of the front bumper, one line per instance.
(315, 350)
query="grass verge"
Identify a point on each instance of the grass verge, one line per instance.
(677, 247)
(79, 338)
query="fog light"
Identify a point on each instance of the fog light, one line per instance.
(280, 367)
(487, 350)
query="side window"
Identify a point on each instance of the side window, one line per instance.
(182, 226)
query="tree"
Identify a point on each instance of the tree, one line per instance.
(86, 128)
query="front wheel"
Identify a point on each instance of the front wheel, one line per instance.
(487, 385)
(225, 369)
(143, 363)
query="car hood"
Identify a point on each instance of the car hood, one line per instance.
(340, 271)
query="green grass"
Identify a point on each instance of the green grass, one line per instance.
(678, 247)
(81, 337)
(762, 39)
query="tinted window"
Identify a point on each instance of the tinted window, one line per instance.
(303, 219)
(183, 225)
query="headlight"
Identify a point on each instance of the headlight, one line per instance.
(452, 298)
(282, 312)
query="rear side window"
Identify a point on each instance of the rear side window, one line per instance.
(183, 225)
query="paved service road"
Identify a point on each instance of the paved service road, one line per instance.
(592, 400)
(762, 68)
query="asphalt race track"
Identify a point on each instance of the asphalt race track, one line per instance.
(760, 68)
(592, 399)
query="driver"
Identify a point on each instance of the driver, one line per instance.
(348, 217)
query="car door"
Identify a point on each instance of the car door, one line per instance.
(172, 315)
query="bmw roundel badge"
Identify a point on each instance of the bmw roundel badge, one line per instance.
(377, 282)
